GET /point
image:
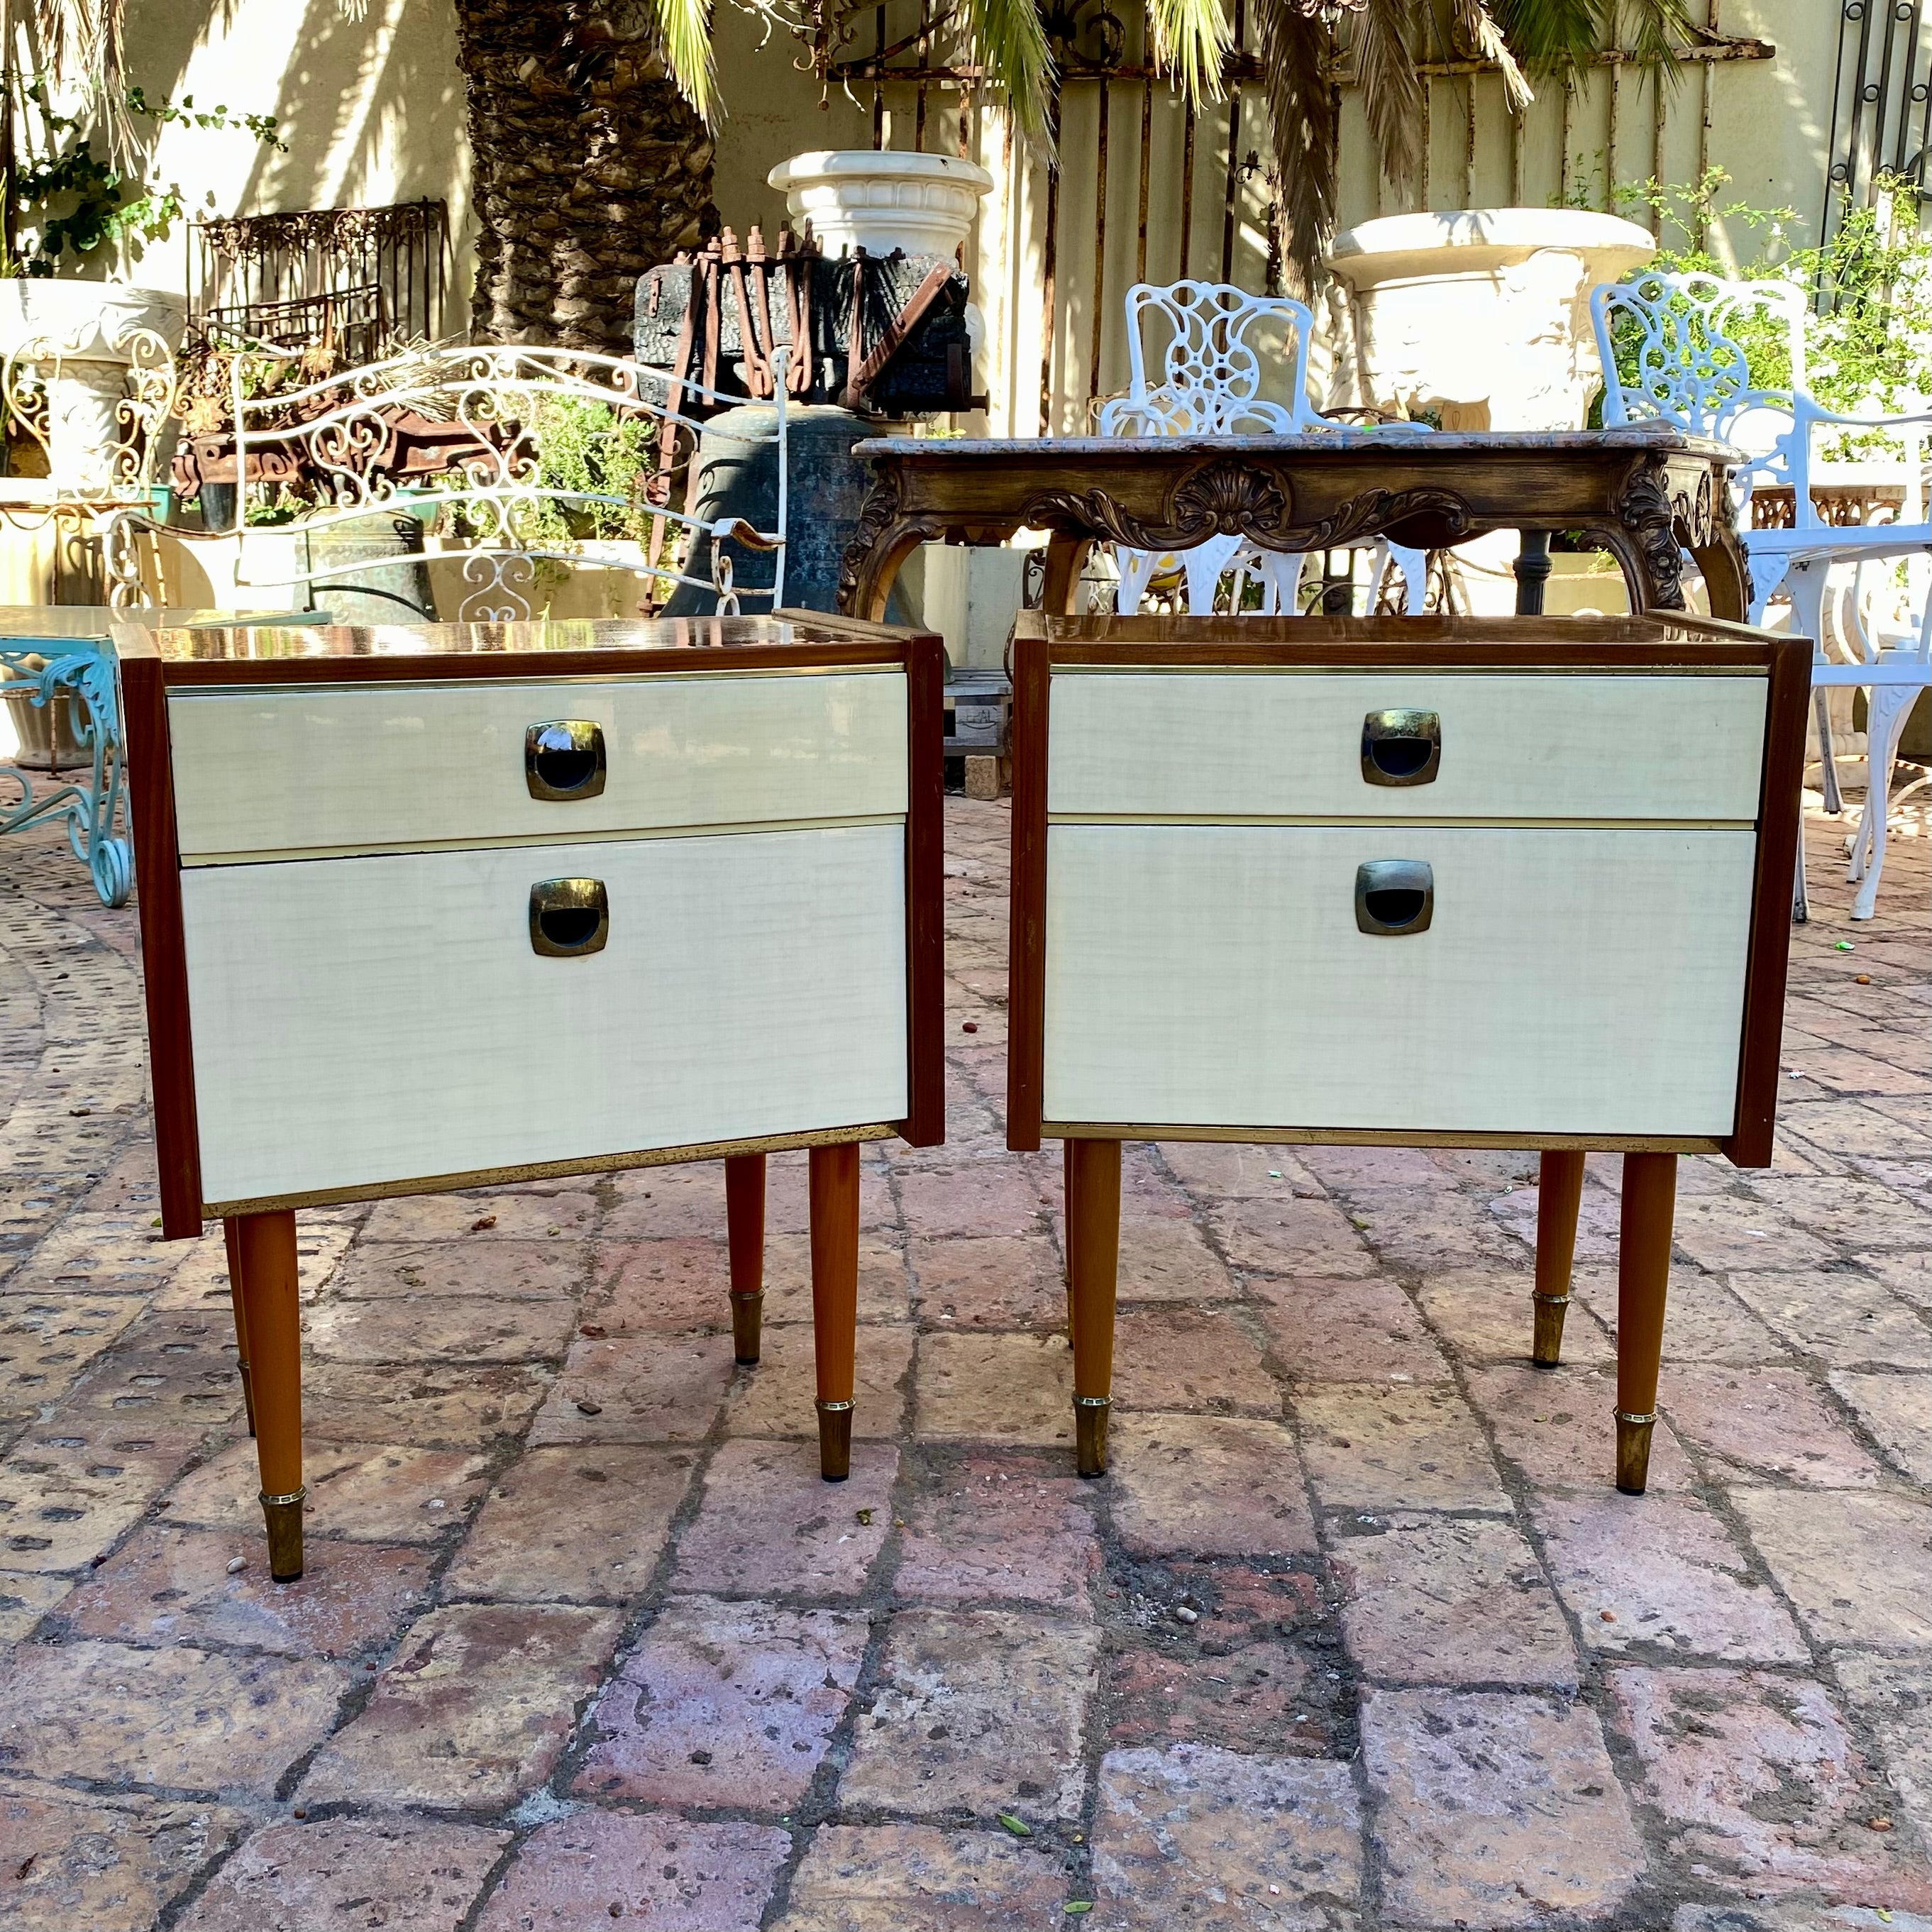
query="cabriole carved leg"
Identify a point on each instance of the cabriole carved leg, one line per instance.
(835, 1300)
(240, 1317)
(263, 1247)
(1093, 1259)
(1559, 1191)
(1065, 559)
(1643, 1276)
(745, 1224)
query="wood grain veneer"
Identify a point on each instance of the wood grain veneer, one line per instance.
(150, 811)
(925, 1122)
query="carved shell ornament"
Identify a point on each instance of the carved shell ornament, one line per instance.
(1226, 497)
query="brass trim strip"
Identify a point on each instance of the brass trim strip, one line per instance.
(429, 681)
(1422, 668)
(295, 1495)
(1117, 1130)
(1389, 821)
(546, 1170)
(554, 836)
(1635, 1421)
(834, 1407)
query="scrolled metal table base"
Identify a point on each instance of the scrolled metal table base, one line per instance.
(88, 800)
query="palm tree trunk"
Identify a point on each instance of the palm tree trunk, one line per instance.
(590, 168)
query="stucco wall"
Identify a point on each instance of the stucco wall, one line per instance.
(372, 112)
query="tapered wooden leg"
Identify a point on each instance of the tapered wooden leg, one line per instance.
(1643, 1275)
(240, 1317)
(835, 1300)
(1066, 1194)
(264, 1247)
(1559, 1191)
(745, 1223)
(1093, 1257)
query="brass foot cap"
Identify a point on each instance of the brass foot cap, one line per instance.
(1633, 1453)
(747, 1327)
(284, 1517)
(1546, 1344)
(1090, 1435)
(835, 1441)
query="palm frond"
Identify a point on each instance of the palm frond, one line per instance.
(81, 40)
(1294, 66)
(1009, 44)
(1478, 28)
(1189, 39)
(1388, 34)
(1555, 35)
(684, 35)
(1549, 35)
(1663, 27)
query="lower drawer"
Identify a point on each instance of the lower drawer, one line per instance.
(1570, 981)
(361, 1021)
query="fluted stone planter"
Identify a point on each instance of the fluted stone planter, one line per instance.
(858, 198)
(82, 336)
(1481, 316)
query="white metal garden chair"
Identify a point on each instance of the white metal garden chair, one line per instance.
(1209, 383)
(1682, 364)
(1894, 666)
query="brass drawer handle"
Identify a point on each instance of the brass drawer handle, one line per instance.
(564, 758)
(1394, 897)
(1401, 747)
(569, 917)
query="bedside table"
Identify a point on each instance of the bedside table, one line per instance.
(1515, 883)
(431, 907)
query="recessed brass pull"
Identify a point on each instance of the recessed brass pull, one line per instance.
(1394, 897)
(1401, 747)
(564, 759)
(569, 917)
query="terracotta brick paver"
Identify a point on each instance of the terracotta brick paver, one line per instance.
(1356, 1637)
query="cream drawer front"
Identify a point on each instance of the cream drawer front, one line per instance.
(1257, 744)
(1572, 981)
(362, 1021)
(297, 769)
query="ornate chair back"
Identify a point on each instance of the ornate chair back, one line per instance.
(1674, 349)
(1208, 378)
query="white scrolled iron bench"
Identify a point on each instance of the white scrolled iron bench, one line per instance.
(338, 433)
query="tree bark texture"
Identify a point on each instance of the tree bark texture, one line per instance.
(590, 168)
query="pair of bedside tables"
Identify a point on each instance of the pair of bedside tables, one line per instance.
(430, 907)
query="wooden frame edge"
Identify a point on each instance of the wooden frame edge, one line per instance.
(1026, 958)
(924, 1124)
(1754, 1131)
(551, 1170)
(150, 812)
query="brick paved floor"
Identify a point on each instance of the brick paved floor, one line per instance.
(1356, 1635)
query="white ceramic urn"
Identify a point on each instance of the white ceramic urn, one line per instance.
(880, 200)
(1481, 316)
(81, 337)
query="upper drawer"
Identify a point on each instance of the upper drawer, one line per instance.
(301, 768)
(1263, 744)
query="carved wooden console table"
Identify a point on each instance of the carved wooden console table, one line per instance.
(1512, 882)
(431, 906)
(1646, 493)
